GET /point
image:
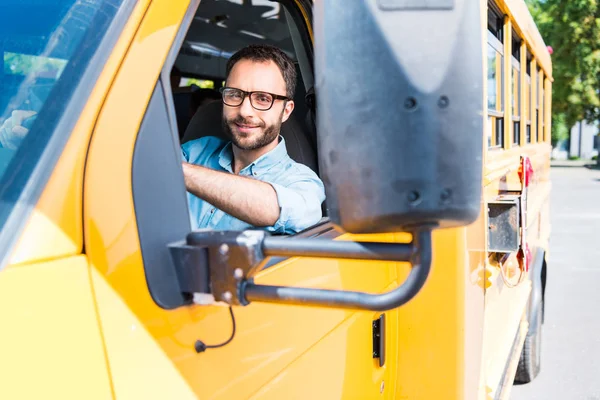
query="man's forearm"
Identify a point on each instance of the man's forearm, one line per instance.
(249, 200)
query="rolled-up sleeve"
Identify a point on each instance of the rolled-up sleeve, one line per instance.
(299, 204)
(185, 152)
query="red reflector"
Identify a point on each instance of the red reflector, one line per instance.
(525, 171)
(528, 257)
(524, 258)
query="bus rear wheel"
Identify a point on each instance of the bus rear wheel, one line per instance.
(530, 361)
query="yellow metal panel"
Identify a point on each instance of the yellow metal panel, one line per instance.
(269, 337)
(51, 346)
(139, 367)
(434, 326)
(504, 306)
(339, 367)
(55, 228)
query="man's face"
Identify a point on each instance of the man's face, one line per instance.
(248, 128)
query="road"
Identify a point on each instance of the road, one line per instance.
(571, 332)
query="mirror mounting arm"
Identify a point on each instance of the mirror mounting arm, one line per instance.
(232, 259)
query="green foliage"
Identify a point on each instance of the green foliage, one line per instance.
(204, 84)
(572, 28)
(24, 64)
(560, 129)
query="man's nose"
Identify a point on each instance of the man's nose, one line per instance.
(246, 109)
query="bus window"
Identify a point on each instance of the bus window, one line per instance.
(516, 89)
(495, 78)
(45, 48)
(528, 98)
(219, 29)
(540, 92)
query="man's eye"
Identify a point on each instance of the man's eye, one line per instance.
(234, 95)
(263, 98)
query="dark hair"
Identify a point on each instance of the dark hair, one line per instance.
(263, 53)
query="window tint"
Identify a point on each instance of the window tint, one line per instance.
(516, 88)
(45, 49)
(495, 21)
(495, 79)
(37, 42)
(495, 76)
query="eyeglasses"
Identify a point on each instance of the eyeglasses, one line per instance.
(262, 101)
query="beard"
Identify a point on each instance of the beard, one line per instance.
(244, 141)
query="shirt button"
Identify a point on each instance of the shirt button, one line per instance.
(254, 173)
(212, 211)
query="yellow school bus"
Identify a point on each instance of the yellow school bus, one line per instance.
(424, 279)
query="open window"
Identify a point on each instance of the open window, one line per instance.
(217, 31)
(186, 102)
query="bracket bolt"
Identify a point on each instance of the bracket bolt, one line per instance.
(238, 274)
(224, 249)
(227, 296)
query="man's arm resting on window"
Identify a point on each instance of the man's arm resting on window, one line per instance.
(244, 198)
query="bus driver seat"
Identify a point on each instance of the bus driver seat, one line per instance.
(207, 122)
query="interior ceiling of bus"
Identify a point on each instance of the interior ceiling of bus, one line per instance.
(221, 27)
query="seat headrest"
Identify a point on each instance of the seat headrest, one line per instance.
(207, 122)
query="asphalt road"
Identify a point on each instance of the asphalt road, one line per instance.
(571, 332)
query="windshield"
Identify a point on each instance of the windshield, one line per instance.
(45, 50)
(37, 41)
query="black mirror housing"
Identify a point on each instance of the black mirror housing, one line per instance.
(400, 118)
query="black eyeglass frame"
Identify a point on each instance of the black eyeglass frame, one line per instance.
(249, 94)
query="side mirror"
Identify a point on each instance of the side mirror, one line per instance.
(399, 86)
(400, 122)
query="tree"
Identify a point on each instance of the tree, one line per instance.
(572, 28)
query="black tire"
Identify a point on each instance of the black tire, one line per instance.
(530, 361)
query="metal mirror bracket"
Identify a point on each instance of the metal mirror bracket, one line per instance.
(234, 258)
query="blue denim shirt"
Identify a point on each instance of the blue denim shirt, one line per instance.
(299, 190)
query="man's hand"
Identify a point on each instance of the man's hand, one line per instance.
(247, 199)
(12, 131)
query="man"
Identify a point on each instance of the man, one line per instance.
(250, 181)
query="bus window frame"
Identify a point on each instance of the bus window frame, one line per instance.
(516, 101)
(533, 100)
(528, 59)
(541, 106)
(516, 85)
(497, 116)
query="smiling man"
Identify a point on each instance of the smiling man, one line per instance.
(250, 181)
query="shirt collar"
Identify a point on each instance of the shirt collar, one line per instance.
(261, 164)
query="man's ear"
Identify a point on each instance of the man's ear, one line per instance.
(287, 111)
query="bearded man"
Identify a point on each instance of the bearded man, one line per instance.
(250, 181)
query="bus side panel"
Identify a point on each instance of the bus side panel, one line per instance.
(505, 306)
(51, 341)
(150, 349)
(439, 349)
